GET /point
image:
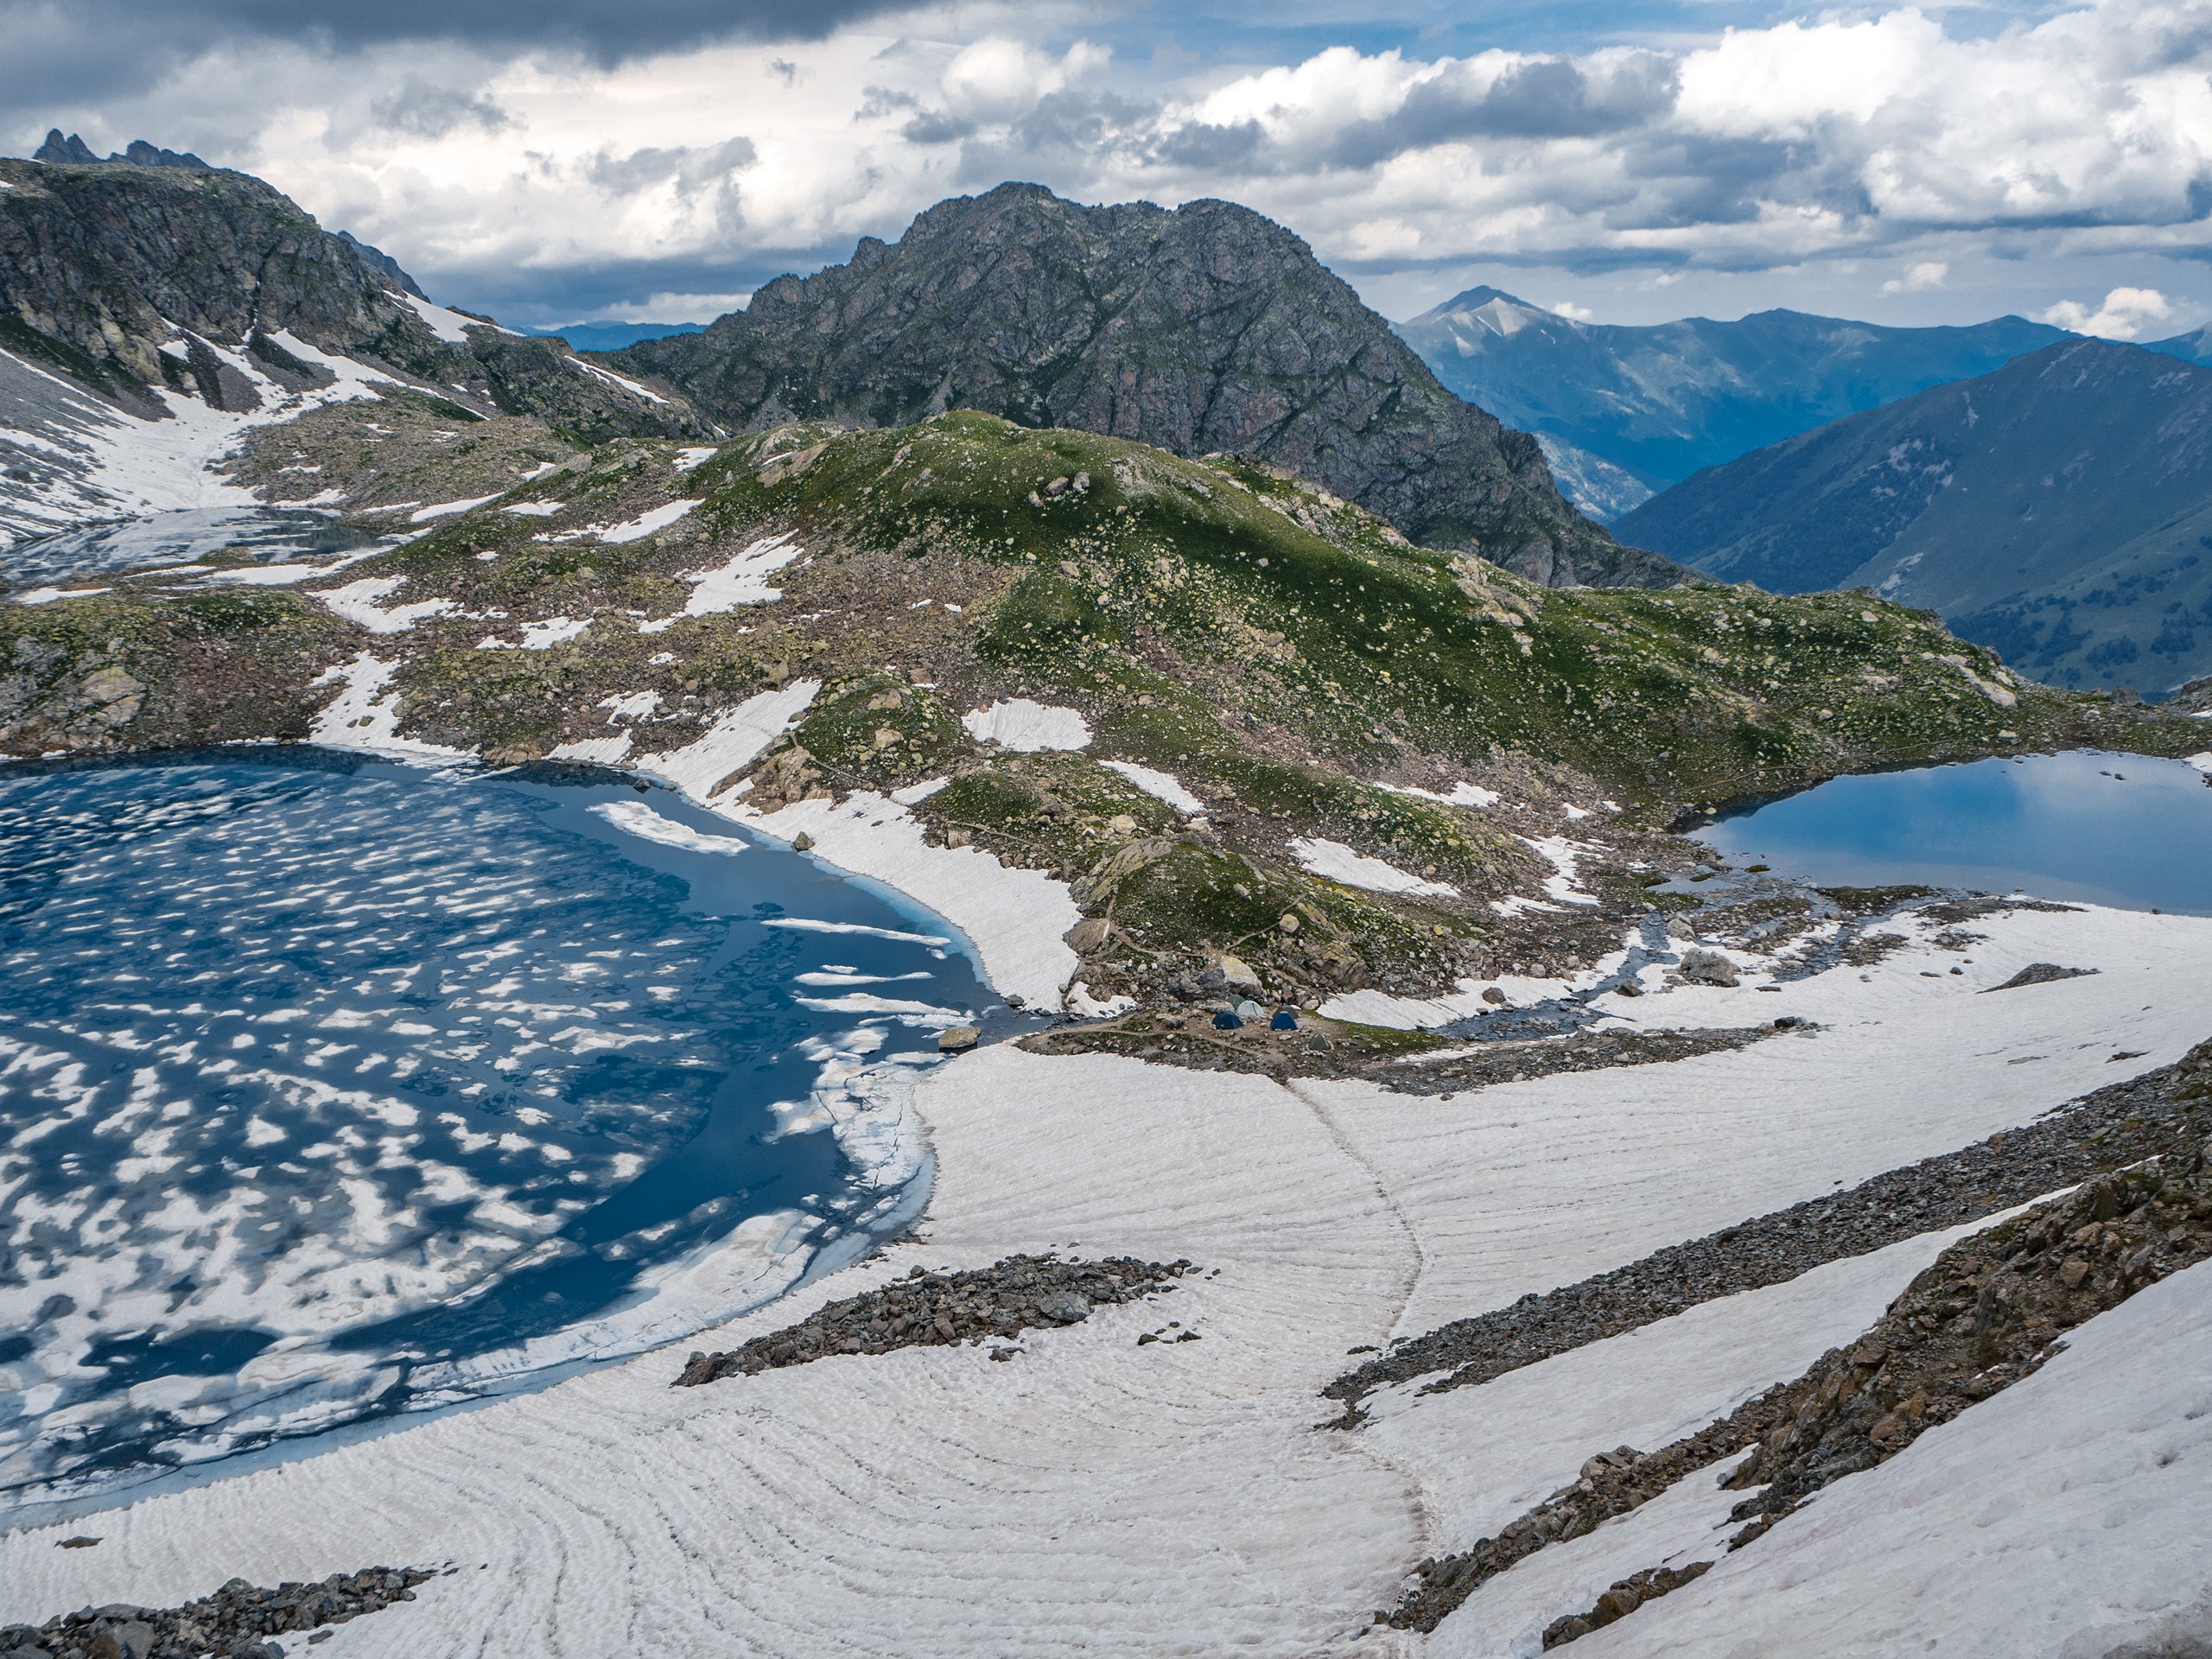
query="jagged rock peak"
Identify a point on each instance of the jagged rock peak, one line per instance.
(1201, 329)
(112, 273)
(72, 152)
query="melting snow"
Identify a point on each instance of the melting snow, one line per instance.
(1161, 786)
(357, 602)
(449, 509)
(1334, 861)
(642, 820)
(1028, 727)
(449, 326)
(541, 636)
(1458, 795)
(738, 582)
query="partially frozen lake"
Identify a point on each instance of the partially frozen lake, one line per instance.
(331, 1089)
(179, 536)
(2120, 829)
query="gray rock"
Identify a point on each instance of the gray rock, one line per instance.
(1707, 967)
(957, 1040)
(1087, 935)
(1205, 329)
(1064, 1307)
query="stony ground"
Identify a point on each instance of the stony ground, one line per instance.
(1410, 1062)
(1295, 664)
(2107, 1130)
(235, 1621)
(1986, 1314)
(1019, 1294)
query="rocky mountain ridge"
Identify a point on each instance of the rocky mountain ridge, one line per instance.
(1626, 411)
(2058, 511)
(1205, 329)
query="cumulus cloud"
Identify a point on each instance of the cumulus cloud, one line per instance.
(586, 168)
(2125, 314)
(1929, 273)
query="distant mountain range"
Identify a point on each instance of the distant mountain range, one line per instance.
(1205, 329)
(1624, 412)
(614, 336)
(2058, 510)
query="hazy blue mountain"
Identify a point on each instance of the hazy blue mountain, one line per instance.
(2194, 347)
(1625, 411)
(614, 336)
(2058, 510)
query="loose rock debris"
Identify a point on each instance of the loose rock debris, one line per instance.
(924, 1309)
(1987, 1312)
(235, 1621)
(2107, 1130)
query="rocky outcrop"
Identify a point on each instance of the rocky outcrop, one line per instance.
(1205, 329)
(238, 1619)
(1988, 1312)
(126, 273)
(940, 1309)
(74, 151)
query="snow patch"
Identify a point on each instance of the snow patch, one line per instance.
(1028, 727)
(740, 582)
(541, 636)
(737, 738)
(1014, 918)
(644, 524)
(643, 822)
(607, 377)
(357, 601)
(690, 460)
(1161, 786)
(1458, 795)
(364, 714)
(1334, 861)
(449, 326)
(449, 509)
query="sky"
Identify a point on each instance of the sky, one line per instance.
(657, 160)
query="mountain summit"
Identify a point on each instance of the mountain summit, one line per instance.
(1207, 328)
(1623, 411)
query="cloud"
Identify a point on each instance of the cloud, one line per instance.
(427, 111)
(563, 161)
(1571, 311)
(2125, 313)
(1929, 273)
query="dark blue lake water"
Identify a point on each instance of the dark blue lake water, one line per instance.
(2120, 829)
(331, 1088)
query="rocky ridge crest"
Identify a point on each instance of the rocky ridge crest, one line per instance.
(1205, 329)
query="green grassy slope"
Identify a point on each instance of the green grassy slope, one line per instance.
(1283, 654)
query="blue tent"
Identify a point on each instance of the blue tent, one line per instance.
(1225, 1021)
(1284, 1020)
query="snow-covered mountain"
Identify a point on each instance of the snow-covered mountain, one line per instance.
(154, 312)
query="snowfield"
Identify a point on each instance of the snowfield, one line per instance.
(1092, 1497)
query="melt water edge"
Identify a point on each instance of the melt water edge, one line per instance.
(2126, 830)
(332, 1089)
